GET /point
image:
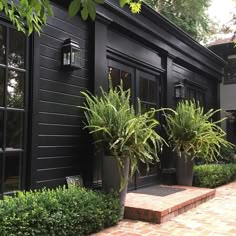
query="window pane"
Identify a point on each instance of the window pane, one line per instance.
(12, 172)
(15, 89)
(16, 56)
(191, 94)
(2, 45)
(126, 78)
(1, 167)
(152, 89)
(143, 87)
(2, 78)
(1, 129)
(14, 129)
(230, 74)
(115, 76)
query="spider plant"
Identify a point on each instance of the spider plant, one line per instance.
(194, 132)
(120, 131)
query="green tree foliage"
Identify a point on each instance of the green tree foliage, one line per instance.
(190, 15)
(31, 15)
(27, 15)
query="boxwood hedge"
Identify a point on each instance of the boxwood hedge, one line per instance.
(213, 175)
(69, 212)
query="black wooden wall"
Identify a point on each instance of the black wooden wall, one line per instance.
(199, 81)
(60, 146)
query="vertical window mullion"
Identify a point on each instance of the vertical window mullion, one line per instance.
(23, 156)
(5, 111)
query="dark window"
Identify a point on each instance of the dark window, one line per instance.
(231, 126)
(12, 172)
(2, 44)
(13, 76)
(196, 93)
(148, 93)
(118, 75)
(230, 70)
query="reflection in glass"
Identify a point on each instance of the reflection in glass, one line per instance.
(16, 55)
(115, 76)
(2, 44)
(126, 78)
(12, 172)
(1, 129)
(15, 89)
(14, 129)
(2, 77)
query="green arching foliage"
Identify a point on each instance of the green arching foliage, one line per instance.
(119, 130)
(32, 15)
(190, 15)
(194, 132)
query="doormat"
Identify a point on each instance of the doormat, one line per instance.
(158, 190)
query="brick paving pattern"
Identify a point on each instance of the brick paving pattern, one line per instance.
(216, 217)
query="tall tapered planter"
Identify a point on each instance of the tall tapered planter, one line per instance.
(184, 170)
(111, 177)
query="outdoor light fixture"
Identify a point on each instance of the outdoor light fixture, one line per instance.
(71, 55)
(179, 90)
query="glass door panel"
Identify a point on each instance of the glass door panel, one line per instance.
(145, 86)
(12, 172)
(149, 93)
(120, 72)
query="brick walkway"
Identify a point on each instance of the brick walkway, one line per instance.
(216, 217)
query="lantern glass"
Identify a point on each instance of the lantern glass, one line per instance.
(71, 55)
(179, 90)
(75, 57)
(66, 56)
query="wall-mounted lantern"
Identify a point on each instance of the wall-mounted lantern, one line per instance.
(71, 55)
(179, 90)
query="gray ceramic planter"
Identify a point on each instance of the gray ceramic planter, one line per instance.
(184, 170)
(111, 178)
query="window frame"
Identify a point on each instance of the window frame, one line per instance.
(228, 68)
(4, 151)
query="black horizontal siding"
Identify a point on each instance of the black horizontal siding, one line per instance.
(63, 146)
(208, 86)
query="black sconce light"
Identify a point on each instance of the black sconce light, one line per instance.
(179, 90)
(71, 55)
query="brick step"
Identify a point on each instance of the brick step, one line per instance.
(161, 203)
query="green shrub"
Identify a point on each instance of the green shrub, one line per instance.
(213, 175)
(73, 211)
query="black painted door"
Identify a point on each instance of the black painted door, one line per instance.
(146, 86)
(149, 92)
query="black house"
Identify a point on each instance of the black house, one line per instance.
(41, 131)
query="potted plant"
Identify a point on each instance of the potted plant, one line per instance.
(193, 134)
(125, 136)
